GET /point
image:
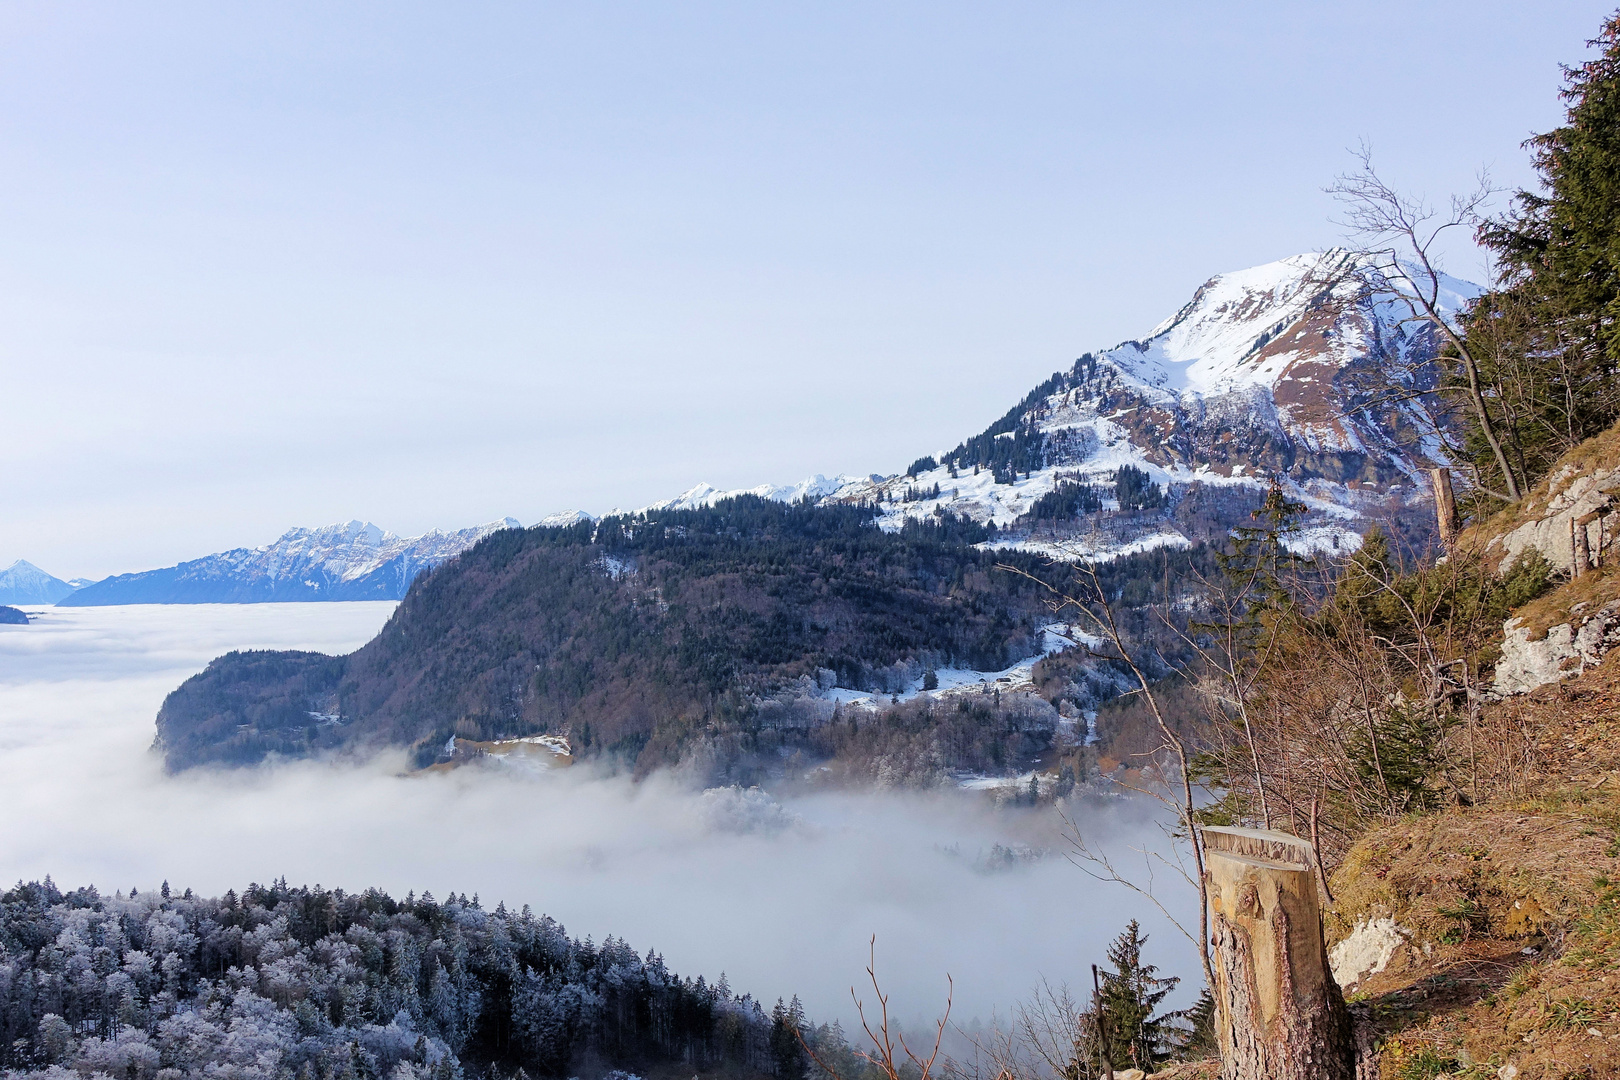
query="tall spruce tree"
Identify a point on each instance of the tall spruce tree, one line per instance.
(1548, 338)
(788, 1059)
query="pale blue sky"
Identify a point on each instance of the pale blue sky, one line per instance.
(277, 264)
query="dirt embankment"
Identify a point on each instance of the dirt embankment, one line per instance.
(1485, 939)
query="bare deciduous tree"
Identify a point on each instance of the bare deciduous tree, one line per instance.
(1088, 604)
(882, 1055)
(1398, 237)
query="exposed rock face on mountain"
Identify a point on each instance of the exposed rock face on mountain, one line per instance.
(351, 561)
(24, 583)
(1310, 369)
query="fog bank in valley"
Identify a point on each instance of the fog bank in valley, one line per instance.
(781, 895)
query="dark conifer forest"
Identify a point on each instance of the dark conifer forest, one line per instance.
(642, 637)
(676, 617)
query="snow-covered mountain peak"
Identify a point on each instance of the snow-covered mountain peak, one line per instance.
(24, 583)
(355, 532)
(1281, 370)
(1250, 327)
(561, 519)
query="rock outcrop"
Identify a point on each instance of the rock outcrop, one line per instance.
(1571, 520)
(1562, 651)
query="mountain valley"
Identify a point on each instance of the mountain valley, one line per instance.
(727, 630)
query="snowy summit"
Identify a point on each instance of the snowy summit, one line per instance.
(1280, 370)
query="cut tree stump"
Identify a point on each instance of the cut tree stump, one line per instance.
(1282, 1017)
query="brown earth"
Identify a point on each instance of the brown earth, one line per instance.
(1512, 908)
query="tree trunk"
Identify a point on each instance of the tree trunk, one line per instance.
(1282, 1015)
(1445, 507)
(1584, 555)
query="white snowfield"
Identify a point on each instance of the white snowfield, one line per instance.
(1256, 351)
(815, 487)
(1213, 345)
(559, 520)
(1017, 678)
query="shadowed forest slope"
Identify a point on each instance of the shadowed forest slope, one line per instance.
(605, 632)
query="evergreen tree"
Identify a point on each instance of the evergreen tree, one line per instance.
(1135, 490)
(788, 1059)
(1198, 1036)
(1549, 338)
(1259, 566)
(1122, 1020)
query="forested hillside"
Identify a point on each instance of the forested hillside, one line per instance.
(614, 632)
(282, 982)
(645, 636)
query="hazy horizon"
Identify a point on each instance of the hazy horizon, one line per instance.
(269, 266)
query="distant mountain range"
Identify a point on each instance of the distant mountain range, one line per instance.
(1281, 370)
(354, 560)
(24, 583)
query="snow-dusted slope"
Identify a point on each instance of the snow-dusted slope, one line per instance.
(1252, 328)
(24, 583)
(1310, 369)
(352, 560)
(816, 487)
(563, 519)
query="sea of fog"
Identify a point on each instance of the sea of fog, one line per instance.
(781, 895)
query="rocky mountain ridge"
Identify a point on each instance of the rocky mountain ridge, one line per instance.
(1311, 369)
(352, 560)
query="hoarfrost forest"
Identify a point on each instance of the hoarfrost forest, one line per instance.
(284, 982)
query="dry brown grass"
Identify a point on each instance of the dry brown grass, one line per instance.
(1586, 593)
(1512, 904)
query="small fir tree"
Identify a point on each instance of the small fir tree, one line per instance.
(1122, 1021)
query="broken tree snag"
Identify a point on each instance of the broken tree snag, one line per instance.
(1445, 507)
(1584, 553)
(1282, 1016)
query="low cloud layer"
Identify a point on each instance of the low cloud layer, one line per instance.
(782, 895)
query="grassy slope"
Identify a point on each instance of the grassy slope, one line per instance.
(1515, 919)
